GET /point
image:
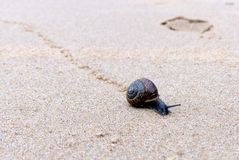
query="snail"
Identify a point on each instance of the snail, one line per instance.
(143, 93)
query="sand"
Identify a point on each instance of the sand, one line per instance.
(65, 66)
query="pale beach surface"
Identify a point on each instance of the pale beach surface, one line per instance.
(65, 65)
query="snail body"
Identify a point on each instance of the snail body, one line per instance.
(144, 93)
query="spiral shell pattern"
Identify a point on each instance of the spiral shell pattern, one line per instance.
(141, 91)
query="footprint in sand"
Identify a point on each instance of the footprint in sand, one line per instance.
(186, 24)
(229, 3)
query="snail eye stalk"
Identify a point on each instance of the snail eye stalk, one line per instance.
(173, 105)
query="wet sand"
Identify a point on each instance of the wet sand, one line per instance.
(65, 66)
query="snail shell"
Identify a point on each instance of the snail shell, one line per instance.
(141, 91)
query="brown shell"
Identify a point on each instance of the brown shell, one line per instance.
(140, 91)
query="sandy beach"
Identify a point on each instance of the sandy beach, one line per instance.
(65, 66)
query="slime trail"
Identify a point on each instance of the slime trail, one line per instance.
(67, 55)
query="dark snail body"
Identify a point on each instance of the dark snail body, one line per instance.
(144, 93)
